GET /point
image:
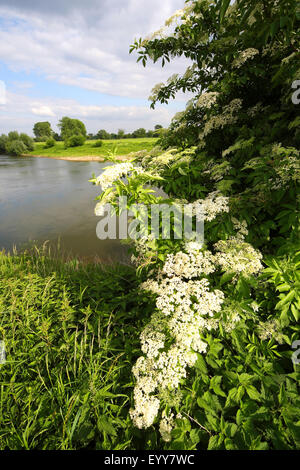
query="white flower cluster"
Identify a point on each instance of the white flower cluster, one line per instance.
(228, 116)
(100, 206)
(194, 263)
(115, 172)
(182, 311)
(244, 56)
(235, 255)
(166, 425)
(240, 227)
(270, 330)
(207, 100)
(207, 209)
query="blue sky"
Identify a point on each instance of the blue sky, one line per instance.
(71, 58)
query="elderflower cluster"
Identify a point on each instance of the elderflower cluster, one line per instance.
(207, 100)
(166, 425)
(155, 90)
(208, 208)
(244, 56)
(270, 330)
(240, 227)
(237, 256)
(191, 264)
(183, 312)
(220, 120)
(113, 173)
(100, 207)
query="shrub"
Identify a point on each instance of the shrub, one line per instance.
(15, 147)
(51, 142)
(28, 141)
(98, 143)
(3, 142)
(74, 141)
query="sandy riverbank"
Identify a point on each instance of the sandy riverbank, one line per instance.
(87, 158)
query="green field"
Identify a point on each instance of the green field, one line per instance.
(116, 147)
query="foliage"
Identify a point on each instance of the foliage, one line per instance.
(238, 149)
(3, 142)
(70, 336)
(70, 127)
(42, 131)
(51, 142)
(28, 141)
(98, 143)
(15, 144)
(75, 141)
(15, 147)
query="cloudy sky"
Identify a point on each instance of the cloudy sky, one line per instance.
(70, 57)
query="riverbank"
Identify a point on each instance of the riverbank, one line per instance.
(122, 149)
(86, 158)
(69, 332)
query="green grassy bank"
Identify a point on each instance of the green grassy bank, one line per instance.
(118, 147)
(70, 332)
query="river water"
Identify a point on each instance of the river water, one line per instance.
(43, 199)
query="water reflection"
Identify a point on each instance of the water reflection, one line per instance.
(44, 199)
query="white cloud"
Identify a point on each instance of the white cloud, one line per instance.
(85, 45)
(43, 111)
(91, 52)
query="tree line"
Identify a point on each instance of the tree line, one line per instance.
(71, 127)
(72, 132)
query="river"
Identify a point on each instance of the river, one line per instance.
(43, 199)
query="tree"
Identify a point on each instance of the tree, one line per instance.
(3, 142)
(240, 165)
(28, 141)
(42, 130)
(121, 134)
(102, 134)
(158, 126)
(69, 127)
(139, 133)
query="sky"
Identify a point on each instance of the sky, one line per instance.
(71, 58)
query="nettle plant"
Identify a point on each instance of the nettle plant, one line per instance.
(216, 369)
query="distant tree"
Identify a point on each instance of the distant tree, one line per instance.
(42, 130)
(15, 147)
(158, 126)
(56, 137)
(113, 136)
(141, 132)
(13, 135)
(70, 127)
(121, 134)
(28, 141)
(150, 133)
(102, 134)
(15, 143)
(3, 143)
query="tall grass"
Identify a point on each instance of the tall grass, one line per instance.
(70, 332)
